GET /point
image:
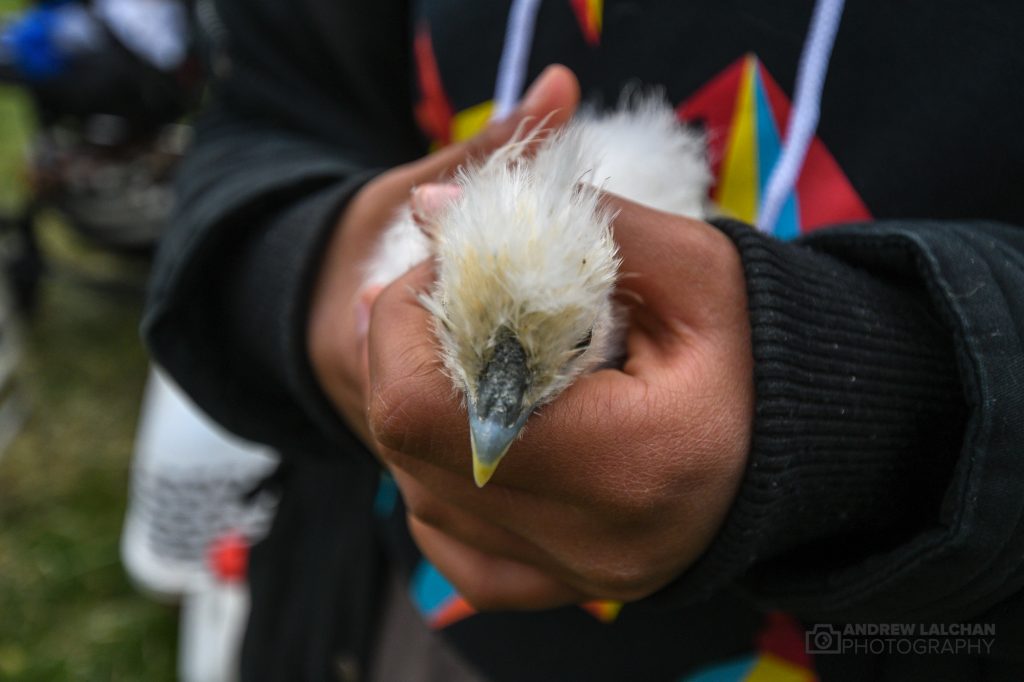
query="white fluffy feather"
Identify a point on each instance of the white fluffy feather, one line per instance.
(528, 247)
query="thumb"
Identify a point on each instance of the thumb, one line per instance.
(554, 96)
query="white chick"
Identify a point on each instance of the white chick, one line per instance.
(526, 265)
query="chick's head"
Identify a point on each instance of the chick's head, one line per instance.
(526, 269)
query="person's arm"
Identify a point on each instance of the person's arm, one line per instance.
(885, 468)
(301, 114)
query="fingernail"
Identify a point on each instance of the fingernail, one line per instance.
(430, 199)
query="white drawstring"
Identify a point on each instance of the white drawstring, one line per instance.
(810, 82)
(514, 57)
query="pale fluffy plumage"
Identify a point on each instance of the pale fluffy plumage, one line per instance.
(527, 247)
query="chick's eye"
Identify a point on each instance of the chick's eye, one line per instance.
(585, 343)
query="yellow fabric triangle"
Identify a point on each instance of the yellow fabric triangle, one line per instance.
(471, 121)
(737, 191)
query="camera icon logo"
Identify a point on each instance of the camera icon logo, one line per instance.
(823, 639)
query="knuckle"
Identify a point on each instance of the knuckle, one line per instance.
(642, 497)
(485, 602)
(634, 505)
(638, 499)
(427, 512)
(402, 412)
(386, 416)
(623, 579)
(482, 596)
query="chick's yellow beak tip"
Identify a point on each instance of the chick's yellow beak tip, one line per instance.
(482, 472)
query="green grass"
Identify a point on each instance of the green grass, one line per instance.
(15, 127)
(67, 610)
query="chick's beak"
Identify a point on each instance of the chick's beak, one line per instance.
(490, 440)
(497, 415)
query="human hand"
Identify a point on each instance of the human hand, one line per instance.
(618, 485)
(339, 312)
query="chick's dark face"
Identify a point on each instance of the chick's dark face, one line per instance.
(504, 380)
(498, 414)
(506, 391)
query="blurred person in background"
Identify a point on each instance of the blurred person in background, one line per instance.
(842, 443)
(109, 81)
(119, 57)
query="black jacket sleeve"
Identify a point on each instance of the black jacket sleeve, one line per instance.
(300, 116)
(884, 481)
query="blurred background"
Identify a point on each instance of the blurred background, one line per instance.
(95, 474)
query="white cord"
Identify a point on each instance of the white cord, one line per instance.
(810, 82)
(514, 57)
(806, 106)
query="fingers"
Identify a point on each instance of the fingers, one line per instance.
(487, 582)
(557, 539)
(552, 99)
(413, 406)
(450, 500)
(469, 527)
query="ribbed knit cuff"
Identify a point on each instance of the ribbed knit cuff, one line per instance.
(858, 412)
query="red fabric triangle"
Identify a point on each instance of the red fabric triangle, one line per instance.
(825, 195)
(434, 111)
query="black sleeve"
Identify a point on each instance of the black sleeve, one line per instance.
(887, 463)
(308, 100)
